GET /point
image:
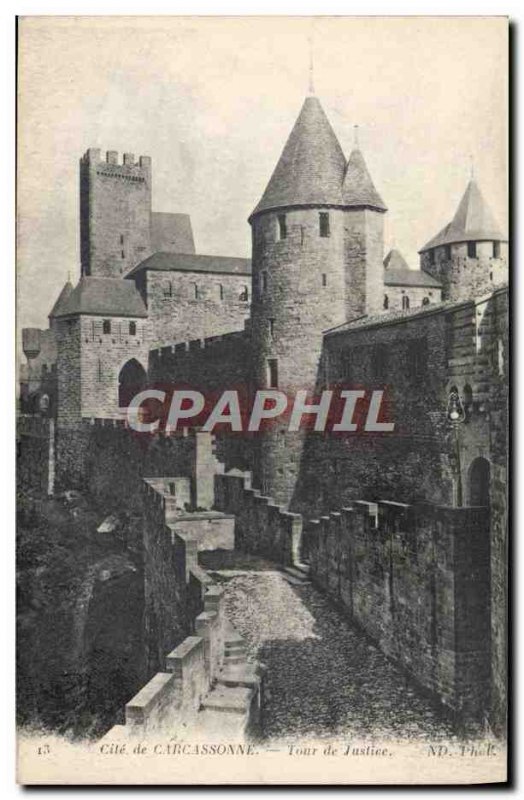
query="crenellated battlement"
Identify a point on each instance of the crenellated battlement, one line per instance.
(196, 345)
(94, 157)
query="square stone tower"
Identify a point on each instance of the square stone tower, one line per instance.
(115, 213)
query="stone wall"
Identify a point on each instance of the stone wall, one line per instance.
(186, 628)
(415, 294)
(261, 526)
(463, 277)
(109, 460)
(35, 462)
(210, 366)
(193, 305)
(415, 579)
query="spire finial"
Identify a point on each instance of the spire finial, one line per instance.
(472, 167)
(311, 72)
(355, 135)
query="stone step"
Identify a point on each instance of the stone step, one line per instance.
(293, 572)
(234, 649)
(228, 699)
(239, 675)
(237, 658)
(305, 568)
(294, 581)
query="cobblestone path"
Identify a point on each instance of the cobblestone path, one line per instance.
(324, 678)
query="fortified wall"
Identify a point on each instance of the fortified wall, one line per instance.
(407, 575)
(201, 682)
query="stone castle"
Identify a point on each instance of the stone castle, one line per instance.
(319, 303)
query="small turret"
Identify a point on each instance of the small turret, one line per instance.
(469, 255)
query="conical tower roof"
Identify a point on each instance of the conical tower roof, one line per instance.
(473, 221)
(311, 169)
(61, 299)
(395, 260)
(358, 188)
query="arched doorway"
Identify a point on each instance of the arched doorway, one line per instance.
(479, 478)
(131, 379)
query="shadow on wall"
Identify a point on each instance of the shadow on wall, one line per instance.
(335, 470)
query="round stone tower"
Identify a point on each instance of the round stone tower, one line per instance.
(302, 276)
(470, 255)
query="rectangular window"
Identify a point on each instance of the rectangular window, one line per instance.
(496, 249)
(448, 252)
(132, 328)
(417, 358)
(271, 327)
(263, 281)
(472, 249)
(324, 223)
(121, 238)
(324, 279)
(282, 226)
(106, 326)
(272, 373)
(221, 291)
(123, 254)
(431, 256)
(379, 362)
(346, 366)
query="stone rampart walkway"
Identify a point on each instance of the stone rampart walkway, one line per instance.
(324, 678)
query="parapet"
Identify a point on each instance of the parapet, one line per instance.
(93, 156)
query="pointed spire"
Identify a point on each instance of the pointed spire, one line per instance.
(473, 222)
(311, 68)
(359, 189)
(395, 261)
(62, 297)
(311, 169)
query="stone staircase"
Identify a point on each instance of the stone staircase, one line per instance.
(298, 574)
(232, 704)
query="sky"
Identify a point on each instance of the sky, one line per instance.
(212, 101)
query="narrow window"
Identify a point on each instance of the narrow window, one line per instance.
(272, 373)
(264, 281)
(417, 358)
(324, 223)
(244, 294)
(346, 365)
(271, 327)
(431, 256)
(196, 291)
(123, 254)
(405, 302)
(99, 370)
(379, 361)
(106, 326)
(282, 226)
(386, 301)
(121, 238)
(496, 249)
(324, 279)
(221, 291)
(472, 249)
(448, 252)
(168, 289)
(132, 328)
(491, 276)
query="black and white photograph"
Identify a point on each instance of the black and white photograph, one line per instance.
(262, 400)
